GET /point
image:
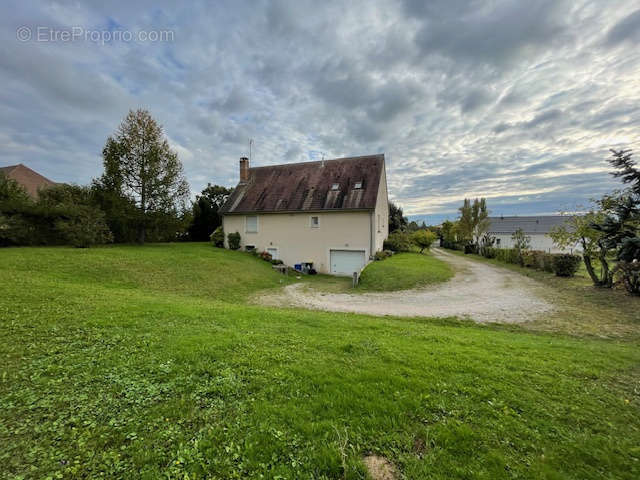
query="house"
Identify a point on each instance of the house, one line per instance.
(332, 214)
(30, 180)
(537, 228)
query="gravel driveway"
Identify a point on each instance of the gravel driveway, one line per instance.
(478, 291)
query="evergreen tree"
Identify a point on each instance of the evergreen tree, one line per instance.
(140, 166)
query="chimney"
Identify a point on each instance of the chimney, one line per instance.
(244, 169)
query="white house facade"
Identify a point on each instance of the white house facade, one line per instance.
(537, 228)
(332, 215)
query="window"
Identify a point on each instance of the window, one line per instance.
(335, 186)
(315, 222)
(252, 224)
(497, 241)
(357, 185)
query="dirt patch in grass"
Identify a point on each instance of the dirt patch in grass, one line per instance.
(379, 468)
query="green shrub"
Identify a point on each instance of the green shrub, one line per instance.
(545, 262)
(398, 242)
(86, 226)
(234, 240)
(508, 255)
(533, 259)
(217, 237)
(566, 264)
(382, 254)
(489, 252)
(470, 248)
(423, 239)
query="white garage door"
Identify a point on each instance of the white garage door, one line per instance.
(345, 262)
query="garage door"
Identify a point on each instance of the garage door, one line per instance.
(345, 262)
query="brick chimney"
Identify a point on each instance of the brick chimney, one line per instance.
(244, 169)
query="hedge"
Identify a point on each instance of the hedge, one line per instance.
(562, 264)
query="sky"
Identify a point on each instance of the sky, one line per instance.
(518, 102)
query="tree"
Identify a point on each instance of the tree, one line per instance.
(465, 222)
(620, 227)
(83, 226)
(579, 229)
(480, 217)
(397, 221)
(521, 243)
(423, 239)
(474, 220)
(139, 165)
(626, 169)
(76, 218)
(205, 211)
(11, 193)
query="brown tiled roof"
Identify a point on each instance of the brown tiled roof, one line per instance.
(308, 186)
(31, 181)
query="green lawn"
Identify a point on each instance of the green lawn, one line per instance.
(403, 271)
(145, 362)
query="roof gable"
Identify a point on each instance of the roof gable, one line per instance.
(309, 186)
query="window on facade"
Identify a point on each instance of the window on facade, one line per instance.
(497, 241)
(335, 186)
(315, 222)
(252, 224)
(357, 185)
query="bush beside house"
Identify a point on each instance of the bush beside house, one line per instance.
(234, 240)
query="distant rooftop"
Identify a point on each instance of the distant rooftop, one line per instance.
(29, 179)
(535, 224)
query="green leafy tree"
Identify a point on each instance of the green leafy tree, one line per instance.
(76, 218)
(620, 226)
(578, 229)
(397, 220)
(423, 239)
(205, 211)
(12, 194)
(83, 226)
(139, 165)
(480, 217)
(474, 220)
(465, 222)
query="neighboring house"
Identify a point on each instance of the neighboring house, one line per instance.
(30, 180)
(333, 214)
(536, 228)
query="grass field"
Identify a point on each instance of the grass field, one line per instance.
(402, 271)
(145, 362)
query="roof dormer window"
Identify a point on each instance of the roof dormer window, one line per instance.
(357, 185)
(335, 186)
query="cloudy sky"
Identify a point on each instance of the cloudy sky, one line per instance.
(515, 101)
